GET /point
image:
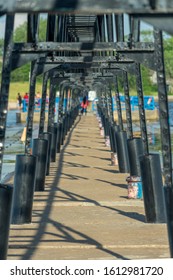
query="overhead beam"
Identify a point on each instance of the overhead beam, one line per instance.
(145, 58)
(160, 21)
(92, 46)
(130, 68)
(84, 6)
(84, 59)
(19, 60)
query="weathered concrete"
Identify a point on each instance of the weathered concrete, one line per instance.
(84, 212)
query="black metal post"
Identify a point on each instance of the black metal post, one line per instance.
(6, 193)
(118, 103)
(106, 114)
(60, 113)
(5, 82)
(40, 150)
(142, 117)
(24, 177)
(65, 113)
(51, 120)
(150, 168)
(32, 28)
(31, 105)
(112, 128)
(165, 133)
(32, 36)
(48, 136)
(120, 28)
(128, 106)
(153, 188)
(43, 103)
(122, 152)
(24, 184)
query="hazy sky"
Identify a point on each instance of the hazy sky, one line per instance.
(20, 18)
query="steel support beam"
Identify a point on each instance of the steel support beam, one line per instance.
(41, 47)
(118, 102)
(85, 59)
(84, 6)
(51, 112)
(160, 21)
(163, 109)
(142, 117)
(43, 103)
(128, 106)
(165, 133)
(5, 82)
(31, 105)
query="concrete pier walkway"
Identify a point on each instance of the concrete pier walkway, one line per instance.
(84, 212)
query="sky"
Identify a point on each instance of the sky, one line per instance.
(21, 18)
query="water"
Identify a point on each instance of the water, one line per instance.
(153, 130)
(13, 145)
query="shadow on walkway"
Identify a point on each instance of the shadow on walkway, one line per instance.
(66, 232)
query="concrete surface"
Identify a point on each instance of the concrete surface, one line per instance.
(84, 212)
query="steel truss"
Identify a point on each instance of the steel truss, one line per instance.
(84, 50)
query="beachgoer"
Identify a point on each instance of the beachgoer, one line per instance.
(84, 105)
(19, 100)
(26, 98)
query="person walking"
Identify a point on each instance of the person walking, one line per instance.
(84, 106)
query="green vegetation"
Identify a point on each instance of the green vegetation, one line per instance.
(21, 87)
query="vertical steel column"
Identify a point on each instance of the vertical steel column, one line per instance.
(113, 128)
(30, 114)
(142, 117)
(118, 102)
(61, 101)
(121, 136)
(105, 32)
(163, 109)
(60, 114)
(51, 21)
(51, 111)
(110, 105)
(113, 28)
(120, 28)
(150, 168)
(110, 30)
(128, 106)
(6, 192)
(101, 28)
(32, 28)
(32, 31)
(25, 168)
(43, 103)
(65, 113)
(105, 28)
(135, 31)
(52, 126)
(165, 132)
(5, 82)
